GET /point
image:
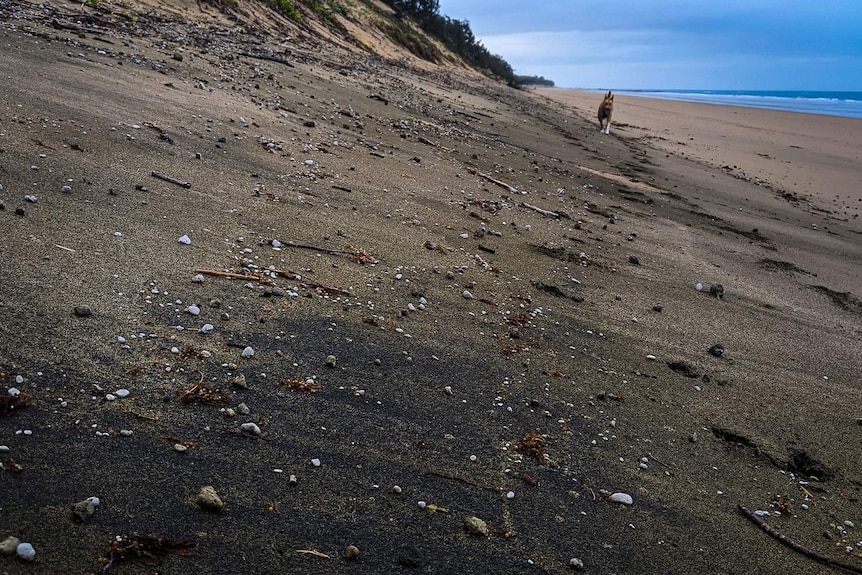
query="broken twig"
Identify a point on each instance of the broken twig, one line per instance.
(303, 279)
(546, 213)
(511, 189)
(794, 545)
(313, 552)
(229, 274)
(172, 180)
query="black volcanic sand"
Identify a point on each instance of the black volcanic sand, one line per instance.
(538, 350)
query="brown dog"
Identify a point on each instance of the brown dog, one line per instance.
(606, 110)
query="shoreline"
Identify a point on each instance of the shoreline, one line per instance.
(812, 156)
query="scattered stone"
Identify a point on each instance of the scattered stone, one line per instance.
(397, 489)
(66, 189)
(634, 260)
(185, 240)
(467, 295)
(292, 479)
(576, 563)
(180, 448)
(623, 498)
(209, 499)
(198, 279)
(83, 311)
(126, 432)
(25, 551)
(698, 286)
(352, 552)
(9, 545)
(248, 352)
(315, 462)
(330, 361)
(475, 526)
(717, 290)
(250, 427)
(122, 393)
(240, 381)
(207, 328)
(243, 409)
(658, 308)
(83, 510)
(717, 350)
(194, 310)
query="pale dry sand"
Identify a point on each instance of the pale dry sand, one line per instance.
(812, 156)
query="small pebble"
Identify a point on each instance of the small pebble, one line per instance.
(83, 510)
(19, 379)
(576, 563)
(9, 545)
(248, 352)
(209, 499)
(315, 462)
(330, 360)
(198, 279)
(467, 295)
(126, 432)
(292, 479)
(25, 551)
(122, 393)
(510, 495)
(397, 489)
(243, 409)
(83, 311)
(849, 524)
(250, 427)
(185, 240)
(194, 310)
(475, 526)
(623, 498)
(240, 381)
(180, 448)
(352, 552)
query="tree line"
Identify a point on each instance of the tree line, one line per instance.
(456, 35)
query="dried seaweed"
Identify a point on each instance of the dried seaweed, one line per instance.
(147, 549)
(308, 386)
(9, 403)
(533, 444)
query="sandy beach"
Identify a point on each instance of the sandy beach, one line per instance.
(811, 156)
(369, 299)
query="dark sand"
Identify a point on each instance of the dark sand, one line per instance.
(555, 343)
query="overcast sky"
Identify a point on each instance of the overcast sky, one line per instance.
(674, 44)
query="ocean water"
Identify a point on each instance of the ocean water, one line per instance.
(843, 104)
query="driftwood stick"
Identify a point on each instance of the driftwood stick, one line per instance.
(324, 250)
(314, 552)
(794, 545)
(493, 180)
(268, 58)
(228, 274)
(312, 283)
(546, 213)
(172, 180)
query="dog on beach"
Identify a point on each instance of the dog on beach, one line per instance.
(606, 110)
